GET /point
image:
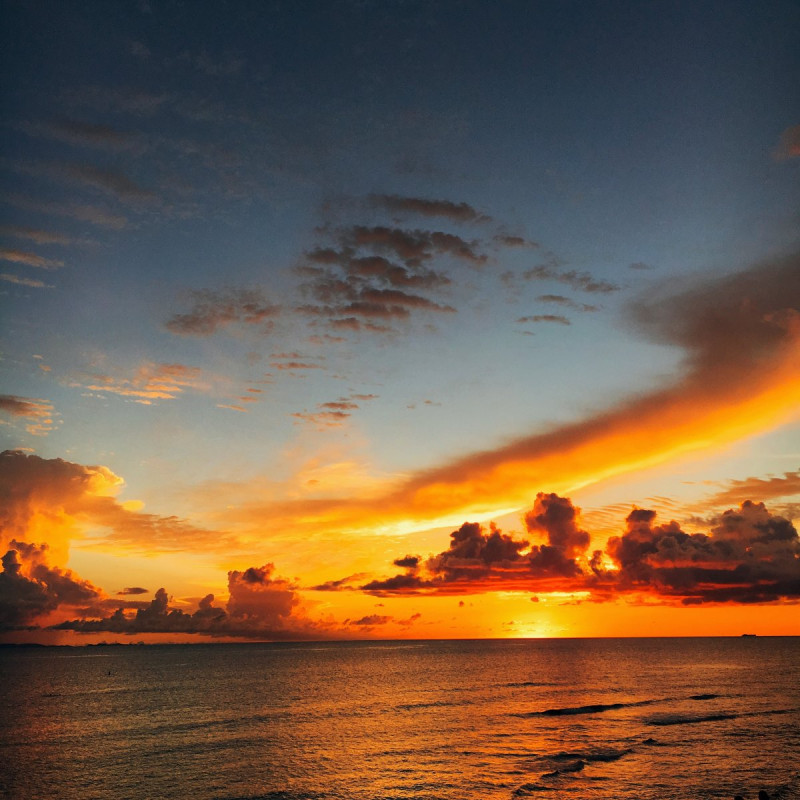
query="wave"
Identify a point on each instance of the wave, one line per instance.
(692, 719)
(429, 704)
(605, 755)
(595, 708)
(523, 684)
(688, 719)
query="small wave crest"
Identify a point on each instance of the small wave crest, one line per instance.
(594, 708)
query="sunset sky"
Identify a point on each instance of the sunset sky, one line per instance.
(383, 318)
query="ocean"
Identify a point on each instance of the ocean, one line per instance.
(602, 719)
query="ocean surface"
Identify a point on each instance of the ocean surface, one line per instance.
(628, 719)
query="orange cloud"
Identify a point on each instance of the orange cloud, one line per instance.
(39, 412)
(150, 382)
(741, 338)
(749, 555)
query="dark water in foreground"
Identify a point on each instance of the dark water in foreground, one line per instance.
(478, 720)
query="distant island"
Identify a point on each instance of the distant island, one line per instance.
(749, 635)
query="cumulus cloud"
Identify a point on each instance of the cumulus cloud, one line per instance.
(259, 606)
(482, 560)
(748, 555)
(213, 310)
(30, 589)
(55, 500)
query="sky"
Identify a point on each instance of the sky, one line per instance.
(398, 319)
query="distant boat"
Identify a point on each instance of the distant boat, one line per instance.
(749, 635)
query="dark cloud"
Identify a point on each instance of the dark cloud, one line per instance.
(551, 270)
(133, 590)
(30, 589)
(556, 318)
(567, 302)
(507, 240)
(260, 606)
(38, 412)
(371, 620)
(749, 555)
(458, 212)
(556, 518)
(216, 309)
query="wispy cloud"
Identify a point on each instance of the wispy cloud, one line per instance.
(213, 310)
(556, 318)
(150, 382)
(550, 270)
(19, 281)
(36, 235)
(29, 259)
(738, 491)
(39, 413)
(458, 212)
(566, 302)
(741, 339)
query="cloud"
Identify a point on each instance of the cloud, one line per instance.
(30, 282)
(149, 382)
(557, 318)
(259, 606)
(334, 413)
(739, 491)
(94, 215)
(740, 337)
(30, 589)
(789, 145)
(371, 620)
(57, 501)
(507, 240)
(39, 412)
(29, 259)
(213, 310)
(458, 212)
(81, 133)
(480, 560)
(36, 235)
(133, 590)
(748, 555)
(550, 270)
(110, 181)
(559, 299)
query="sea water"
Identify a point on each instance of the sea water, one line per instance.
(628, 719)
